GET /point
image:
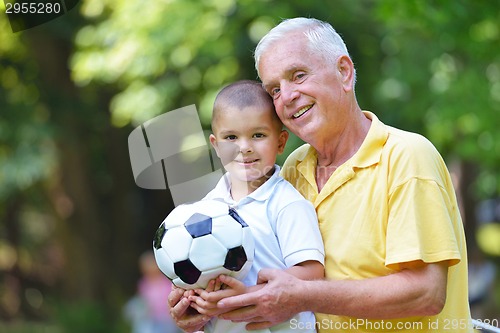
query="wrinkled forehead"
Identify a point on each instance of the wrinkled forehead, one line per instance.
(284, 58)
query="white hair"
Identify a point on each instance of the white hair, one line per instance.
(322, 38)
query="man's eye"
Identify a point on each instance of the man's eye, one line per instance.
(299, 75)
(275, 91)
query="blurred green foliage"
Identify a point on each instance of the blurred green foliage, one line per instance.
(438, 72)
(434, 65)
(71, 220)
(442, 73)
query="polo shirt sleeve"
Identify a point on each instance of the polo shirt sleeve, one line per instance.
(420, 224)
(298, 233)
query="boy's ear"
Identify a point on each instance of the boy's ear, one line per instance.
(283, 138)
(213, 142)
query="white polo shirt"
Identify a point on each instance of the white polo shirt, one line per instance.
(285, 229)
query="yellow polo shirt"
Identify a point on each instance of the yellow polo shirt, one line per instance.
(392, 202)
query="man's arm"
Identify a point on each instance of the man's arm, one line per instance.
(417, 290)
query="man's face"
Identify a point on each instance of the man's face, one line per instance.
(306, 89)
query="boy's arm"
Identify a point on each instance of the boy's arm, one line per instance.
(307, 270)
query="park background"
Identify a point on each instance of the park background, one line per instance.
(73, 222)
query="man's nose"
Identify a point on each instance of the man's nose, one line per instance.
(288, 92)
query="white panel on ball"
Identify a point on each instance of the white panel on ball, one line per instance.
(207, 253)
(227, 231)
(176, 243)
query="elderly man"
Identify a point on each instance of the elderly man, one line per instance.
(394, 240)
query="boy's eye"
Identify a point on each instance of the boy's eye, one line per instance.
(230, 137)
(259, 135)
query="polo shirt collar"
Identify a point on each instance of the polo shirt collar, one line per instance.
(371, 148)
(222, 189)
(368, 153)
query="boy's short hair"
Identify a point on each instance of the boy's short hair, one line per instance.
(242, 94)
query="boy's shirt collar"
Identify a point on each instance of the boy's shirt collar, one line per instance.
(222, 190)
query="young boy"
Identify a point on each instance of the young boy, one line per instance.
(247, 136)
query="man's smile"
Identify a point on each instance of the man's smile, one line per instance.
(302, 111)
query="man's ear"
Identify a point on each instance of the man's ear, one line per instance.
(346, 70)
(213, 142)
(282, 141)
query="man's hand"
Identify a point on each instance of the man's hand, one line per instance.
(270, 304)
(183, 314)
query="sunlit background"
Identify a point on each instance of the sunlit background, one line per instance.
(72, 221)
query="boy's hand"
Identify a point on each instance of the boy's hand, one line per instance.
(184, 316)
(205, 301)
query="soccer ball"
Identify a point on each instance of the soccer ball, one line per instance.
(199, 241)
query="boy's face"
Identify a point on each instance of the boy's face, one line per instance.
(247, 142)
